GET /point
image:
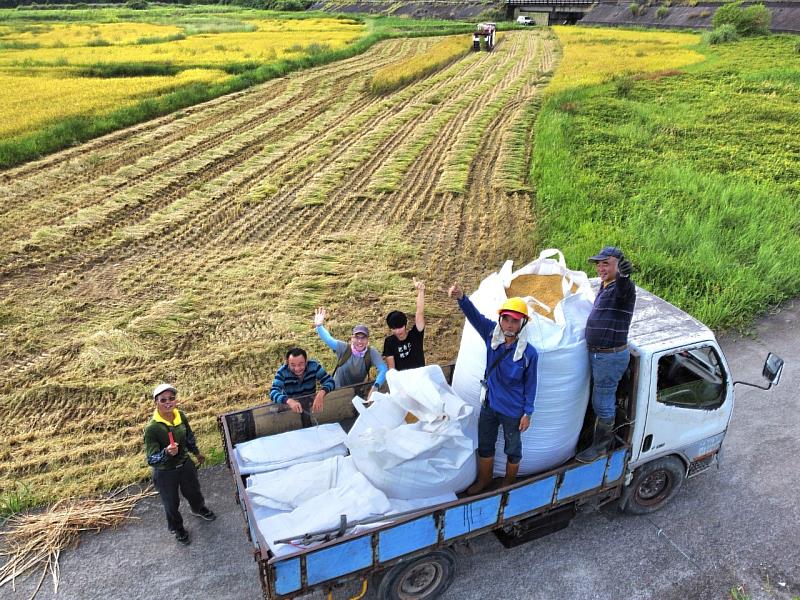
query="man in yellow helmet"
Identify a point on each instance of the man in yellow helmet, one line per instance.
(509, 382)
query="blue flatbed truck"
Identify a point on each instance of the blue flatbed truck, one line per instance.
(673, 409)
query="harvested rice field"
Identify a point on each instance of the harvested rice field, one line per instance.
(194, 248)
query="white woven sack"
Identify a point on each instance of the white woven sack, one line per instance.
(561, 401)
(272, 452)
(286, 489)
(428, 458)
(563, 370)
(354, 497)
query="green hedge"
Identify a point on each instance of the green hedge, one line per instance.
(748, 20)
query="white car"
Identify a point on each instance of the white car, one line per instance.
(523, 20)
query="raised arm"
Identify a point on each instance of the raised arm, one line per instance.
(319, 327)
(625, 287)
(482, 325)
(419, 317)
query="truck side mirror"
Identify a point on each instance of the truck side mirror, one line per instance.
(773, 368)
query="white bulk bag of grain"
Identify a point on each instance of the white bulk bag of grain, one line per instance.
(434, 455)
(563, 370)
(272, 452)
(355, 497)
(286, 489)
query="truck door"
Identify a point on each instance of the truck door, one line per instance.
(690, 404)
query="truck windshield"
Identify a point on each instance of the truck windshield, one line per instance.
(691, 379)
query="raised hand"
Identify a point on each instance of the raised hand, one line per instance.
(455, 291)
(625, 267)
(319, 316)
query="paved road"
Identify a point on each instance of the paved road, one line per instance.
(736, 527)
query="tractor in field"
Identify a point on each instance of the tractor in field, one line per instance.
(485, 32)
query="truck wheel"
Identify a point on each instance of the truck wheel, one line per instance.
(476, 46)
(421, 578)
(653, 485)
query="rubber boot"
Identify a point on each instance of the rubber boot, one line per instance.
(485, 467)
(603, 434)
(511, 474)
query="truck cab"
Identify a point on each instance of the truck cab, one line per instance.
(677, 399)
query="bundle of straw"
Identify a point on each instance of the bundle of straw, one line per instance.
(36, 540)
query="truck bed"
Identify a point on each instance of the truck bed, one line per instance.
(356, 556)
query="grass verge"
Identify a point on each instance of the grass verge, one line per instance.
(16, 500)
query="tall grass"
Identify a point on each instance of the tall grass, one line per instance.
(16, 500)
(694, 175)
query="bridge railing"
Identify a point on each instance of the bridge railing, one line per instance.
(550, 2)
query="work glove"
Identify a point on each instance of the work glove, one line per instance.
(625, 267)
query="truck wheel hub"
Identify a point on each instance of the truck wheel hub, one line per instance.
(419, 581)
(653, 488)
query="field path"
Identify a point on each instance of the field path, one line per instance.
(194, 248)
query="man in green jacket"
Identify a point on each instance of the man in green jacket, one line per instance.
(168, 439)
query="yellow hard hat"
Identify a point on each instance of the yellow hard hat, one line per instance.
(514, 305)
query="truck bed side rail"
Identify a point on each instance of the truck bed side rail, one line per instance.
(354, 556)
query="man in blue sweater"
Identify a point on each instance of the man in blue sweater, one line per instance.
(296, 381)
(509, 384)
(607, 341)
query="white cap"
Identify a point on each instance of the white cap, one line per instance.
(163, 388)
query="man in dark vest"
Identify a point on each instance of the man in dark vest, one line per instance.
(354, 358)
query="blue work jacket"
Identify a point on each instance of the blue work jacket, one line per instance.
(511, 385)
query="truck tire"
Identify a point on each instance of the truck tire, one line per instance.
(476, 46)
(653, 485)
(422, 578)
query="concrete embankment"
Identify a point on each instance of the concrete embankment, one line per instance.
(467, 11)
(785, 15)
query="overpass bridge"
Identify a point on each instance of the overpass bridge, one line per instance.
(549, 12)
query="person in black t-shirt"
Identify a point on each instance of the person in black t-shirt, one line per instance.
(404, 348)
